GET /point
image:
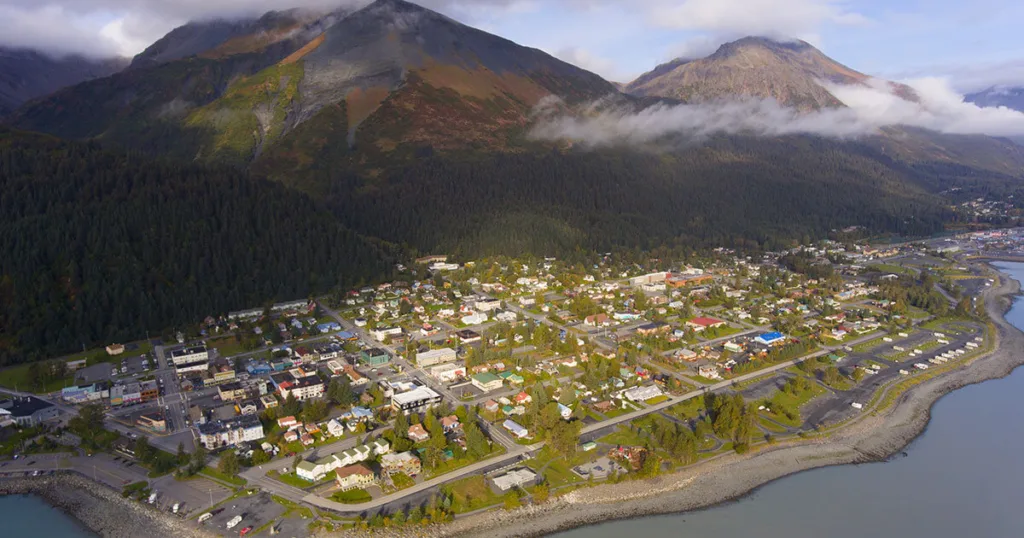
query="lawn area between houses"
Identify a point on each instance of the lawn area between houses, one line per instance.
(622, 436)
(352, 496)
(471, 493)
(217, 475)
(226, 346)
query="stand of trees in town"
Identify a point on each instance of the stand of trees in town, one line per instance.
(99, 247)
(918, 291)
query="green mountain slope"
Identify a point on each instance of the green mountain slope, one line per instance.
(97, 246)
(414, 128)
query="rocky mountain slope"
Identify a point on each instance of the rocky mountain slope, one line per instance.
(415, 128)
(27, 74)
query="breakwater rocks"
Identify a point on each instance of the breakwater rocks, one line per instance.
(99, 508)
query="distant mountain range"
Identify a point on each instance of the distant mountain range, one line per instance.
(26, 74)
(1009, 97)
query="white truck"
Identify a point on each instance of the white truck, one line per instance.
(174, 510)
(234, 521)
(152, 497)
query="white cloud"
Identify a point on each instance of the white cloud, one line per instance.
(869, 108)
(776, 18)
(595, 64)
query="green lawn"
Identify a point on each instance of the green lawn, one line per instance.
(622, 436)
(402, 481)
(686, 410)
(227, 346)
(216, 474)
(352, 496)
(16, 377)
(657, 400)
(783, 400)
(471, 493)
(291, 479)
(770, 426)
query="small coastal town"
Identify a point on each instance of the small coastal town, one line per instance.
(462, 387)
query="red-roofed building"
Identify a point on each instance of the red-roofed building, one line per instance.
(699, 324)
(522, 398)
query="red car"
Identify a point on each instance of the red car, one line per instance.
(244, 531)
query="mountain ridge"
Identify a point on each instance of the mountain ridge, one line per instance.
(26, 74)
(371, 107)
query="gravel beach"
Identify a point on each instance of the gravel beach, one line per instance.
(872, 438)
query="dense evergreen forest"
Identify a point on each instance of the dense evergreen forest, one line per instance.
(736, 193)
(98, 247)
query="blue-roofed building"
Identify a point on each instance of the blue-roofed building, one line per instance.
(345, 335)
(328, 327)
(770, 339)
(258, 368)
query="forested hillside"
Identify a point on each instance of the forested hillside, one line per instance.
(751, 193)
(97, 247)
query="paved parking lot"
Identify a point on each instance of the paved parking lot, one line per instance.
(256, 510)
(196, 494)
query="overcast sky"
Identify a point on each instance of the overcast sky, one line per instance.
(975, 43)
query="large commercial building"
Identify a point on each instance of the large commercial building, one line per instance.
(28, 410)
(417, 400)
(303, 385)
(189, 355)
(223, 433)
(436, 356)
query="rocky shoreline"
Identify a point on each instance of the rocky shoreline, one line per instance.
(872, 438)
(100, 509)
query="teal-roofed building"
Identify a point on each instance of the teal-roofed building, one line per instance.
(374, 357)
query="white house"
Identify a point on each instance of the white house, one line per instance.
(475, 318)
(641, 394)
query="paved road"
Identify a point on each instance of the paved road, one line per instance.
(520, 450)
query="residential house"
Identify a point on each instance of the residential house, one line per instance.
(354, 476)
(709, 371)
(418, 434)
(402, 462)
(516, 429)
(642, 394)
(450, 424)
(486, 381)
(514, 479)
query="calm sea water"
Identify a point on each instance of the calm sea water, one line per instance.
(964, 477)
(25, 516)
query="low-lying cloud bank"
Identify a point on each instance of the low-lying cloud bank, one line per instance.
(869, 108)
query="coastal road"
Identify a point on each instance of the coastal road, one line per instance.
(519, 451)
